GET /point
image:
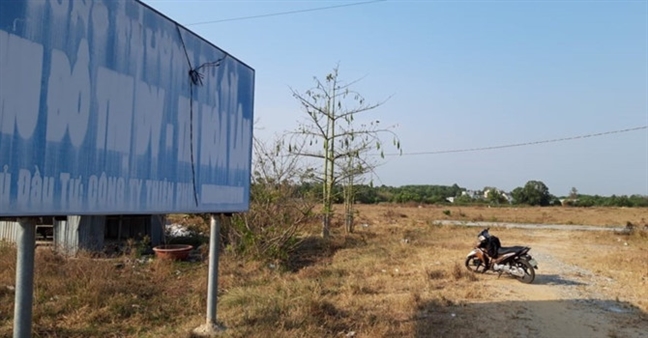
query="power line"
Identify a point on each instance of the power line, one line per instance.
(284, 13)
(520, 144)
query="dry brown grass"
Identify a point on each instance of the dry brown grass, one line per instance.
(86, 297)
(545, 215)
(397, 276)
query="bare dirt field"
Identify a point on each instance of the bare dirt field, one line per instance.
(587, 284)
(567, 299)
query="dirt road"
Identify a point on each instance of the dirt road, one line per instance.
(565, 300)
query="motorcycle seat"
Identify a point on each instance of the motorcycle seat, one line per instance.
(505, 250)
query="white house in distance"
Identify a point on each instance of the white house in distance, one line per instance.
(474, 194)
(507, 196)
(483, 194)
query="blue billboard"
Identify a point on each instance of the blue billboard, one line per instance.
(109, 107)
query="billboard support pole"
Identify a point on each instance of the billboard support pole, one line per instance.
(212, 284)
(26, 243)
(211, 327)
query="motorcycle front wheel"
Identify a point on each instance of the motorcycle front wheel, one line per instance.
(475, 264)
(529, 272)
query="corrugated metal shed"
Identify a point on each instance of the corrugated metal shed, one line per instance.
(79, 233)
(89, 233)
(158, 223)
(136, 227)
(9, 231)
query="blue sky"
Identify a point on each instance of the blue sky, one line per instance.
(463, 74)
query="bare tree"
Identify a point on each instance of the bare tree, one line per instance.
(332, 107)
(360, 159)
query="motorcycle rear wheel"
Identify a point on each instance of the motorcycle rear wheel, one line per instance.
(475, 265)
(529, 272)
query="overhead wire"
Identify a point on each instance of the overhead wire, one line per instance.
(435, 152)
(563, 139)
(297, 11)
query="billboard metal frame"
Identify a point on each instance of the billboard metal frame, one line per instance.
(111, 107)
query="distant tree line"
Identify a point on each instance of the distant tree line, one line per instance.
(533, 193)
(611, 201)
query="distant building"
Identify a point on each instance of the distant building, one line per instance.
(568, 201)
(474, 194)
(505, 195)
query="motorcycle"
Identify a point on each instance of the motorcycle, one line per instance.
(488, 254)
